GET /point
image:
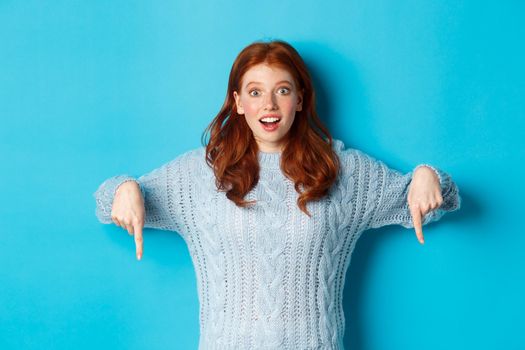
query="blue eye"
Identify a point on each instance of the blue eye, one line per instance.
(284, 90)
(254, 91)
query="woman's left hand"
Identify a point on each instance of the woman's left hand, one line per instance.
(424, 195)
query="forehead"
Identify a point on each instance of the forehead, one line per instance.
(266, 74)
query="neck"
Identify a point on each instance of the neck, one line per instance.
(269, 147)
(269, 160)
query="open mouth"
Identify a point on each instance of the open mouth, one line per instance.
(270, 123)
(270, 120)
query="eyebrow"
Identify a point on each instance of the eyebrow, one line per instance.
(279, 82)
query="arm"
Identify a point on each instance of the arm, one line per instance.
(160, 188)
(389, 205)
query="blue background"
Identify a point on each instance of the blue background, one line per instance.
(92, 89)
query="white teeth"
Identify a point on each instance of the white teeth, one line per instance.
(270, 119)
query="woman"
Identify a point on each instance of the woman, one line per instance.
(271, 208)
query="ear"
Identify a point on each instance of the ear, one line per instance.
(299, 106)
(240, 109)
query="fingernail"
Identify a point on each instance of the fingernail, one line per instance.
(138, 257)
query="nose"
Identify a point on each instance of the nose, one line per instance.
(270, 102)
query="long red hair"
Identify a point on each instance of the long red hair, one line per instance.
(307, 159)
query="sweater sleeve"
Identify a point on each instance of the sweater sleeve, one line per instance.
(388, 203)
(162, 193)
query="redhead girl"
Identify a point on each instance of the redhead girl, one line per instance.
(271, 207)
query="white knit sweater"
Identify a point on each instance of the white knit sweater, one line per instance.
(270, 277)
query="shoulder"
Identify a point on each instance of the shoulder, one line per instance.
(188, 160)
(195, 154)
(194, 161)
(349, 154)
(354, 162)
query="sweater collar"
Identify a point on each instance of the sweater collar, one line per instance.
(269, 160)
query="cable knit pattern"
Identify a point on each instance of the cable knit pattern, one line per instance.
(268, 276)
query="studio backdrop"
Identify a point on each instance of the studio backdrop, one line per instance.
(94, 89)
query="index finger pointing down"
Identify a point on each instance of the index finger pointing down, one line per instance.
(138, 240)
(416, 220)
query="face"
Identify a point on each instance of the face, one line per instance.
(268, 99)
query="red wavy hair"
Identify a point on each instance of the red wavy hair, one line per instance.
(307, 159)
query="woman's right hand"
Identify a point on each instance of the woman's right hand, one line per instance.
(128, 211)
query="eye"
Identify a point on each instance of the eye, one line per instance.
(254, 93)
(284, 90)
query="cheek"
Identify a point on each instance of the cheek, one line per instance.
(251, 108)
(251, 114)
(289, 105)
